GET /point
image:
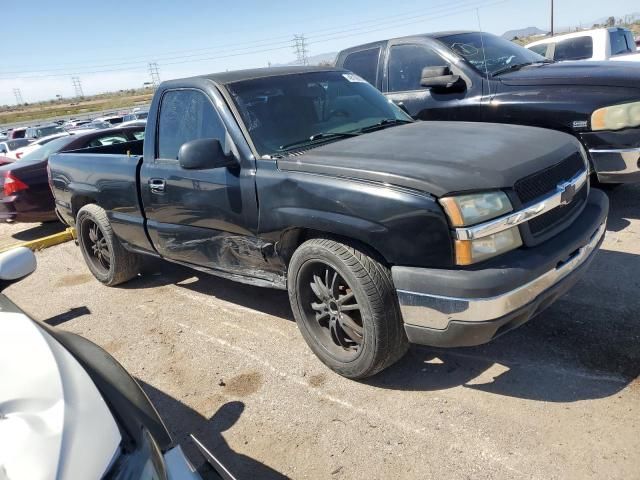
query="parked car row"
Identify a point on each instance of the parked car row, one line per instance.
(45, 130)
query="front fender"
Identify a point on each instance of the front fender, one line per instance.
(406, 227)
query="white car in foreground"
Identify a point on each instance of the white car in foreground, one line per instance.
(595, 45)
(68, 410)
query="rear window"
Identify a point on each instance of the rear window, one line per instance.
(364, 63)
(579, 48)
(52, 147)
(621, 43)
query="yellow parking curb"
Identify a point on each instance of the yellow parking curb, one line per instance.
(45, 242)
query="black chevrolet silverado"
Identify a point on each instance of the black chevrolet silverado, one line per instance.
(383, 230)
(469, 76)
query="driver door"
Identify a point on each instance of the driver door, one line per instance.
(403, 72)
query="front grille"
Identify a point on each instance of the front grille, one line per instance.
(553, 218)
(544, 182)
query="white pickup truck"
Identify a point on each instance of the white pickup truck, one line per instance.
(614, 43)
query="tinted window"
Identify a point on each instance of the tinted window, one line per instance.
(406, 63)
(364, 63)
(619, 43)
(108, 140)
(540, 49)
(15, 144)
(281, 110)
(579, 48)
(186, 115)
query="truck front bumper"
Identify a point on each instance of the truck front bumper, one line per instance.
(616, 165)
(615, 155)
(466, 307)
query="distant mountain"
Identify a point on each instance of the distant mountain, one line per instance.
(523, 32)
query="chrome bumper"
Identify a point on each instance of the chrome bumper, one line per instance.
(616, 165)
(437, 312)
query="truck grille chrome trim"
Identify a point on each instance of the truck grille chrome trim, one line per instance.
(562, 195)
(436, 311)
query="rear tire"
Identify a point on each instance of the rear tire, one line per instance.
(103, 253)
(346, 308)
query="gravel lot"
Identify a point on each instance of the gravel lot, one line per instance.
(557, 398)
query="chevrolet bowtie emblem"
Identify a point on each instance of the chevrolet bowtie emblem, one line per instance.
(567, 192)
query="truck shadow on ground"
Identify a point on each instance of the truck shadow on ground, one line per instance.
(585, 346)
(181, 420)
(624, 203)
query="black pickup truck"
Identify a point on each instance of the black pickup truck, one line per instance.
(479, 77)
(385, 231)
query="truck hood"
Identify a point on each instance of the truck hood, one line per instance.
(54, 422)
(602, 74)
(439, 157)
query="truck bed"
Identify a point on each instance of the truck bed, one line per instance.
(108, 176)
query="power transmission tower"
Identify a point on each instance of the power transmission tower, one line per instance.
(300, 48)
(155, 74)
(18, 94)
(77, 86)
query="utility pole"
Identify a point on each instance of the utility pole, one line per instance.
(552, 18)
(300, 48)
(18, 94)
(77, 86)
(155, 74)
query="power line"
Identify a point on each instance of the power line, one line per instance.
(353, 28)
(18, 94)
(252, 44)
(77, 86)
(155, 74)
(300, 49)
(320, 39)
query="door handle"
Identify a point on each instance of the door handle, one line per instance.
(156, 185)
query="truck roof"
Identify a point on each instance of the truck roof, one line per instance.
(435, 35)
(240, 75)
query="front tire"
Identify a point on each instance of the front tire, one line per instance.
(346, 308)
(103, 253)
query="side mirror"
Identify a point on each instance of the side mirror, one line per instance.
(402, 107)
(441, 79)
(203, 153)
(16, 264)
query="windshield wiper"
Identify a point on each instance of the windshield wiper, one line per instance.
(518, 66)
(318, 136)
(387, 122)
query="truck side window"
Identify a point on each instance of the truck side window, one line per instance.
(364, 63)
(186, 115)
(406, 63)
(579, 48)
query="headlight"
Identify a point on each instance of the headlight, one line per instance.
(474, 251)
(465, 210)
(616, 117)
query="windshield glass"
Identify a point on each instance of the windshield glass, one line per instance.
(290, 109)
(44, 151)
(498, 53)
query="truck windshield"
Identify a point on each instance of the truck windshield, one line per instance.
(288, 112)
(489, 53)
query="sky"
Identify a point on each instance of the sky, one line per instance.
(108, 45)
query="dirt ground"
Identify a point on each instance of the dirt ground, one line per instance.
(556, 399)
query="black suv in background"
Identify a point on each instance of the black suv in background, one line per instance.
(474, 76)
